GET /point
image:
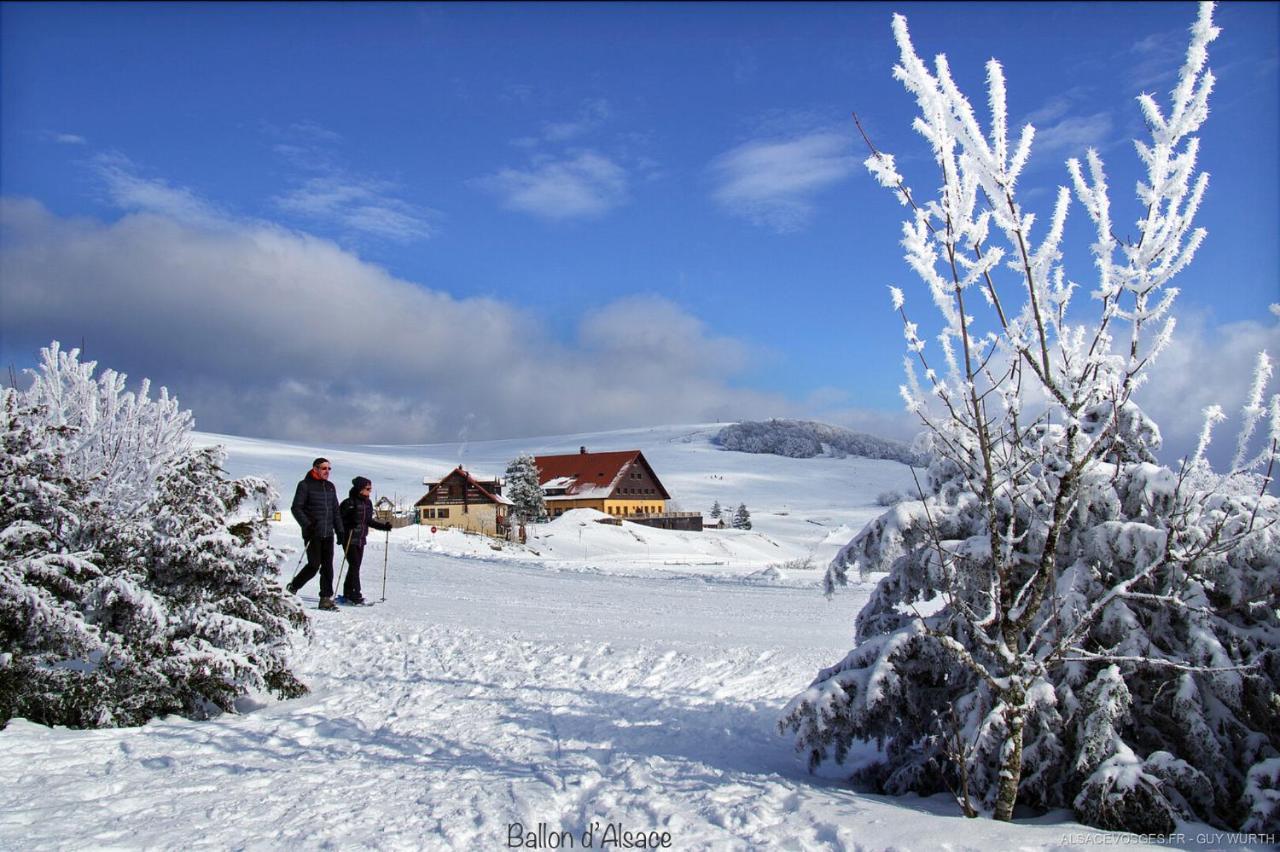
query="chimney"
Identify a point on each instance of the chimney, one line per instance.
(582, 451)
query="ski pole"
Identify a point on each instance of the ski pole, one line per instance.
(301, 556)
(386, 545)
(345, 548)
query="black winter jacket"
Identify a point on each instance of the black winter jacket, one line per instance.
(315, 508)
(357, 517)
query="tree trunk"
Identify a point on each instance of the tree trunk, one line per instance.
(1011, 768)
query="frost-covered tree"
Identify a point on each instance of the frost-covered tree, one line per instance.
(524, 492)
(119, 442)
(1064, 622)
(741, 518)
(45, 577)
(716, 511)
(135, 578)
(231, 624)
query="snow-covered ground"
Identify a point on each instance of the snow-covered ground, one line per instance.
(601, 685)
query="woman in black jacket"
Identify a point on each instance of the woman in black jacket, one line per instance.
(357, 518)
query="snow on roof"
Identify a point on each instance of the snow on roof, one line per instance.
(589, 493)
(460, 471)
(560, 482)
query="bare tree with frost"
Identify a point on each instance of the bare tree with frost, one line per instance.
(1064, 621)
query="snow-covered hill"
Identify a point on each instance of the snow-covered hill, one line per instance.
(600, 680)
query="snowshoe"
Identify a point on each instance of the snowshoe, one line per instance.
(328, 604)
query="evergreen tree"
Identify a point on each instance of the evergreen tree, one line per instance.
(741, 518)
(716, 510)
(129, 585)
(1103, 631)
(231, 623)
(523, 490)
(44, 579)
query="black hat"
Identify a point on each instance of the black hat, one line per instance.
(359, 483)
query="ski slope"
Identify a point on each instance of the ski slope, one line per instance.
(602, 687)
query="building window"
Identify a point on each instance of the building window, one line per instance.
(442, 513)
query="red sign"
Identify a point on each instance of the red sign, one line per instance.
(433, 529)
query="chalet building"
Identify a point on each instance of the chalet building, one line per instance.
(621, 484)
(459, 500)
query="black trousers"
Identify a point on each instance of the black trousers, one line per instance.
(319, 559)
(351, 585)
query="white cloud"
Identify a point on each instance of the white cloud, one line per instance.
(314, 131)
(773, 182)
(1153, 61)
(326, 193)
(361, 205)
(268, 332)
(1073, 135)
(647, 332)
(1205, 365)
(68, 139)
(130, 191)
(592, 114)
(585, 185)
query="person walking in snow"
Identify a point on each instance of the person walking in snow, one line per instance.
(357, 518)
(315, 508)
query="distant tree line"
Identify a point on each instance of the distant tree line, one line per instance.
(803, 439)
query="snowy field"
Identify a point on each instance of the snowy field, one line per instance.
(603, 687)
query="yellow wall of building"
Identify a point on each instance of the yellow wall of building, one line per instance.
(617, 508)
(482, 518)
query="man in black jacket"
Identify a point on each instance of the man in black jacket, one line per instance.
(357, 517)
(315, 508)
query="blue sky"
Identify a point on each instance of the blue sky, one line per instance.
(411, 222)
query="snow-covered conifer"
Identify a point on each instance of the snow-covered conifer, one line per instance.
(1064, 622)
(116, 440)
(523, 490)
(231, 625)
(741, 518)
(135, 579)
(716, 510)
(44, 578)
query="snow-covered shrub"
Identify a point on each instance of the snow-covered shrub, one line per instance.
(890, 498)
(1064, 622)
(802, 439)
(131, 583)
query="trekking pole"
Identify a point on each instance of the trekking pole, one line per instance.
(301, 556)
(386, 545)
(345, 548)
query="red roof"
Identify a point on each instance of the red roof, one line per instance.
(589, 471)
